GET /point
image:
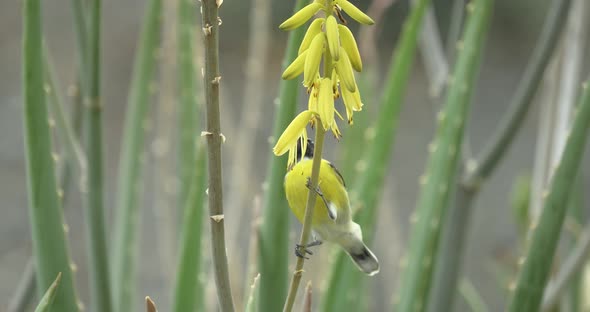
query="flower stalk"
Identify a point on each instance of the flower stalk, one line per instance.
(214, 140)
(306, 230)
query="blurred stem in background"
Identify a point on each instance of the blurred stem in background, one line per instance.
(433, 55)
(45, 210)
(568, 280)
(472, 297)
(93, 188)
(273, 244)
(457, 17)
(214, 137)
(475, 172)
(537, 262)
(125, 249)
(164, 169)
(368, 84)
(443, 160)
(24, 292)
(244, 144)
(568, 78)
(190, 97)
(345, 284)
(188, 292)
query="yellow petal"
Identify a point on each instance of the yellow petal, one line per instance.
(344, 70)
(312, 61)
(332, 37)
(291, 158)
(355, 13)
(349, 44)
(296, 68)
(346, 98)
(336, 131)
(301, 16)
(289, 137)
(352, 102)
(303, 142)
(312, 104)
(326, 103)
(314, 28)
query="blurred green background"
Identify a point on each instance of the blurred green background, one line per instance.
(492, 241)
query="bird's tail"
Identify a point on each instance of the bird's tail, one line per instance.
(363, 257)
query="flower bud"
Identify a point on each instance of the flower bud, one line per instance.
(301, 17)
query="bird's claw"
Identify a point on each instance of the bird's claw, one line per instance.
(300, 251)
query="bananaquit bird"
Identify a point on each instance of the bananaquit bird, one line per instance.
(331, 218)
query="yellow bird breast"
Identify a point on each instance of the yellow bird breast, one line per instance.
(330, 184)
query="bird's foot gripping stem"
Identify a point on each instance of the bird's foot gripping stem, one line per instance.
(302, 250)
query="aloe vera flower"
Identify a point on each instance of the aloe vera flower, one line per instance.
(295, 131)
(329, 39)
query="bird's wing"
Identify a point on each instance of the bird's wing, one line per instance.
(338, 174)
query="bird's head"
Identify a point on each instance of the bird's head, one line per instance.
(308, 150)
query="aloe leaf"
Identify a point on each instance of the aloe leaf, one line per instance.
(539, 257)
(130, 186)
(455, 230)
(47, 299)
(45, 207)
(189, 88)
(441, 169)
(188, 294)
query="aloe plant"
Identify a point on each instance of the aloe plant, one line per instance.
(473, 177)
(47, 299)
(45, 209)
(127, 215)
(190, 99)
(273, 244)
(444, 158)
(537, 262)
(188, 294)
(345, 280)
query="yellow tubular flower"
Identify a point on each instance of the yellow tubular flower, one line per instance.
(349, 44)
(312, 61)
(352, 102)
(301, 17)
(344, 71)
(296, 68)
(326, 103)
(314, 28)
(354, 12)
(295, 131)
(332, 37)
